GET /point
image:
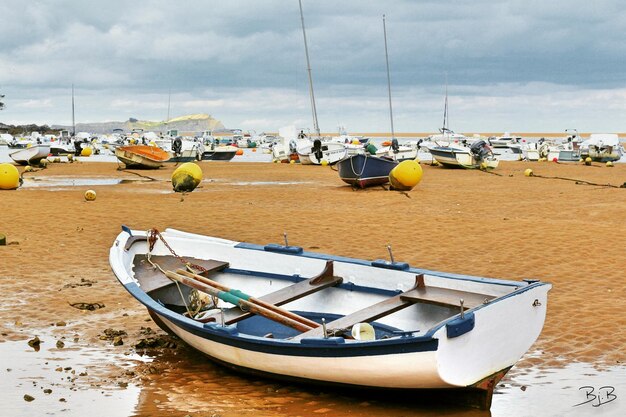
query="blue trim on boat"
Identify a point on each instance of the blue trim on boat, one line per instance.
(273, 247)
(460, 326)
(398, 266)
(315, 255)
(228, 335)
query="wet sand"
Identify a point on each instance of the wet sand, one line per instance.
(470, 222)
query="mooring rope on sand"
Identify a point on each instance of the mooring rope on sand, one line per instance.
(581, 182)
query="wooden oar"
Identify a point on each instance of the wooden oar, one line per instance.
(243, 304)
(249, 298)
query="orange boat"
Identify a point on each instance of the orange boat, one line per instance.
(142, 156)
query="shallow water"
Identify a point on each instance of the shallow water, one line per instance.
(44, 182)
(194, 384)
(187, 382)
(67, 372)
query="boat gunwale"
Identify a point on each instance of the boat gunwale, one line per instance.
(229, 334)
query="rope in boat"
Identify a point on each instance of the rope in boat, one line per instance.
(153, 235)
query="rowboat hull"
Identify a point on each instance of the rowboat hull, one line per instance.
(423, 346)
(142, 156)
(32, 155)
(220, 153)
(460, 158)
(363, 170)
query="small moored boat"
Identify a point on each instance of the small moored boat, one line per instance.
(282, 312)
(31, 155)
(363, 170)
(478, 155)
(142, 156)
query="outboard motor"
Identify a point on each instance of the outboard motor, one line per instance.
(177, 146)
(479, 149)
(317, 149)
(395, 147)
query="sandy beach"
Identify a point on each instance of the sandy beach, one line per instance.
(501, 225)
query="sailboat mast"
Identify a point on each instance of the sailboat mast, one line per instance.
(388, 78)
(445, 108)
(73, 121)
(308, 64)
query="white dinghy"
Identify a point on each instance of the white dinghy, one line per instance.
(279, 311)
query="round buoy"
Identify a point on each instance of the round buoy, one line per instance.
(587, 161)
(44, 163)
(324, 162)
(528, 172)
(28, 168)
(86, 151)
(293, 161)
(90, 195)
(542, 159)
(555, 159)
(253, 149)
(9, 177)
(609, 164)
(405, 175)
(356, 142)
(186, 177)
(239, 152)
(56, 160)
(70, 157)
(483, 165)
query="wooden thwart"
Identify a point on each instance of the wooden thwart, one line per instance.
(419, 293)
(273, 314)
(152, 279)
(285, 295)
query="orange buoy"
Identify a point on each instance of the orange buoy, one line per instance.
(239, 152)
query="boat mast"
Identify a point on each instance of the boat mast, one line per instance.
(308, 64)
(388, 78)
(445, 109)
(169, 100)
(73, 121)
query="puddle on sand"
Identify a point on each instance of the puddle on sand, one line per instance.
(557, 391)
(66, 372)
(40, 182)
(190, 383)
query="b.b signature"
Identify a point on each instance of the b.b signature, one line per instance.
(596, 398)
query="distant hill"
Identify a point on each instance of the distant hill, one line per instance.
(189, 123)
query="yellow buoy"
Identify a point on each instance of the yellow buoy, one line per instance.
(356, 142)
(324, 162)
(483, 165)
(587, 161)
(70, 157)
(28, 168)
(542, 159)
(609, 164)
(9, 177)
(90, 195)
(186, 177)
(86, 151)
(405, 175)
(293, 161)
(528, 172)
(43, 163)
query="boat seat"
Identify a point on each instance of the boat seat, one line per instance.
(152, 279)
(418, 294)
(285, 295)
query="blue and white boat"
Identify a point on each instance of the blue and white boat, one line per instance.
(279, 311)
(363, 170)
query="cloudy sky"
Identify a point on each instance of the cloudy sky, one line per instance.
(510, 65)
